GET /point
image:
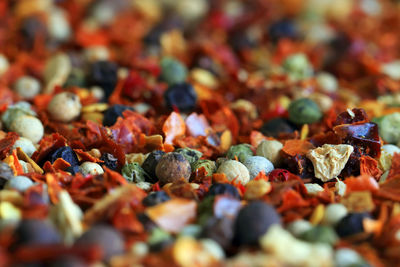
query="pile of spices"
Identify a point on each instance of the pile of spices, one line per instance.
(199, 133)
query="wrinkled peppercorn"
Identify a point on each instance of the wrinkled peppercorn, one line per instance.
(304, 111)
(66, 153)
(133, 172)
(150, 163)
(110, 161)
(241, 151)
(256, 164)
(192, 155)
(172, 167)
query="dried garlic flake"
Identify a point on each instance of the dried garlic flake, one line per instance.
(329, 160)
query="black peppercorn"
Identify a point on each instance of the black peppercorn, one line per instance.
(223, 189)
(112, 113)
(155, 198)
(103, 74)
(150, 163)
(67, 154)
(181, 96)
(282, 29)
(351, 224)
(35, 232)
(105, 237)
(253, 221)
(110, 161)
(276, 126)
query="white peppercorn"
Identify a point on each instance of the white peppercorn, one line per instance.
(270, 149)
(334, 213)
(27, 87)
(58, 25)
(20, 183)
(65, 107)
(29, 127)
(91, 168)
(26, 145)
(233, 169)
(327, 82)
(256, 164)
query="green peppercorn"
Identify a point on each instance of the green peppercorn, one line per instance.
(172, 167)
(304, 110)
(209, 166)
(205, 209)
(173, 71)
(241, 151)
(192, 155)
(297, 67)
(389, 127)
(133, 172)
(320, 234)
(75, 78)
(14, 111)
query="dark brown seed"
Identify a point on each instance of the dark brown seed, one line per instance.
(172, 167)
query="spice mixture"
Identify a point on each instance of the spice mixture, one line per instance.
(199, 133)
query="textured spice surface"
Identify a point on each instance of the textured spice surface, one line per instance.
(199, 133)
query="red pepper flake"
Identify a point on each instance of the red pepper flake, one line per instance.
(60, 164)
(292, 199)
(395, 168)
(173, 127)
(369, 166)
(6, 144)
(85, 156)
(361, 183)
(54, 187)
(47, 145)
(294, 147)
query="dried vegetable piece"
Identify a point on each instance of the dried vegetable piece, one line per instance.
(329, 160)
(174, 214)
